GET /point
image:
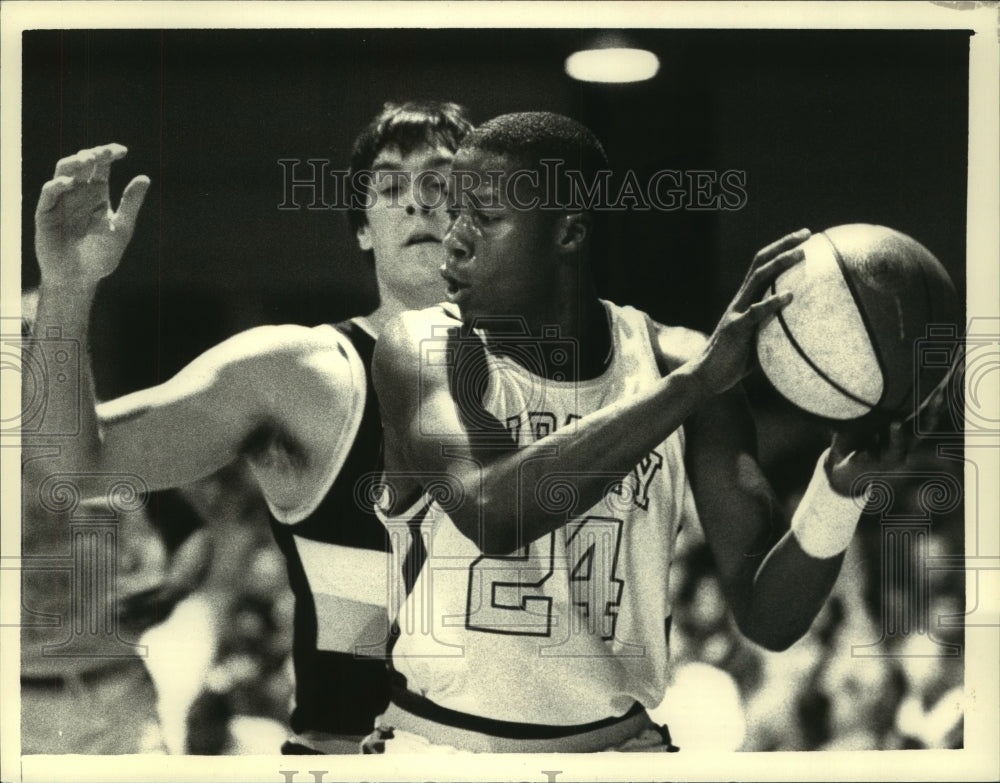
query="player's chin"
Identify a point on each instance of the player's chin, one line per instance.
(424, 256)
(462, 295)
(420, 290)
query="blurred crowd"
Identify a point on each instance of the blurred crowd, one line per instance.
(881, 668)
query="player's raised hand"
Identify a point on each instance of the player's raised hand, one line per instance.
(865, 449)
(79, 239)
(726, 357)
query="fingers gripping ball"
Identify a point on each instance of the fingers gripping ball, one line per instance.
(845, 345)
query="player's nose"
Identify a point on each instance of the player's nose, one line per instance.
(456, 242)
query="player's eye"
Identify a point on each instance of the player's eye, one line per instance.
(433, 187)
(387, 187)
(390, 183)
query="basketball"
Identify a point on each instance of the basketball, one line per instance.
(845, 346)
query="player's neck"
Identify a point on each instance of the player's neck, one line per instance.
(593, 336)
(390, 305)
(583, 328)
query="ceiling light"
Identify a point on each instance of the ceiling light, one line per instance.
(612, 65)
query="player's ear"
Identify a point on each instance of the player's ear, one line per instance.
(572, 231)
(364, 236)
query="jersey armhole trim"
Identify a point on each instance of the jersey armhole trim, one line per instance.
(419, 505)
(345, 442)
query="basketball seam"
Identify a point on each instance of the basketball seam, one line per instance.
(816, 368)
(864, 320)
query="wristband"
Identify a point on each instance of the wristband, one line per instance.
(825, 521)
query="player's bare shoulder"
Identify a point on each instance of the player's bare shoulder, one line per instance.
(310, 386)
(407, 376)
(298, 377)
(281, 343)
(405, 341)
(276, 361)
(674, 345)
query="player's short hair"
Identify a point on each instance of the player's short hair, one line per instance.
(528, 138)
(407, 126)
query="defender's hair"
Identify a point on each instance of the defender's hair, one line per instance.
(408, 126)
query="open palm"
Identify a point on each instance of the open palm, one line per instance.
(78, 237)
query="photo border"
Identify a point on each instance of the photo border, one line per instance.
(978, 759)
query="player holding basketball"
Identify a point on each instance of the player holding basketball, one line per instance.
(556, 469)
(295, 403)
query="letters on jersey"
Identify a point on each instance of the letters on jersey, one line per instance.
(572, 627)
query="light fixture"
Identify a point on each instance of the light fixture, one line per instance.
(610, 65)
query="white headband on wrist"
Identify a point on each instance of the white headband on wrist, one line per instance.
(825, 521)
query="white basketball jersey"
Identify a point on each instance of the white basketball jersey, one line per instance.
(573, 627)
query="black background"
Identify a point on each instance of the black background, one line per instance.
(830, 127)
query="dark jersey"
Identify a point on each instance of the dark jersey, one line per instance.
(336, 560)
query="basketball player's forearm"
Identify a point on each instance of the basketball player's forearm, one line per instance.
(61, 329)
(515, 493)
(787, 594)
